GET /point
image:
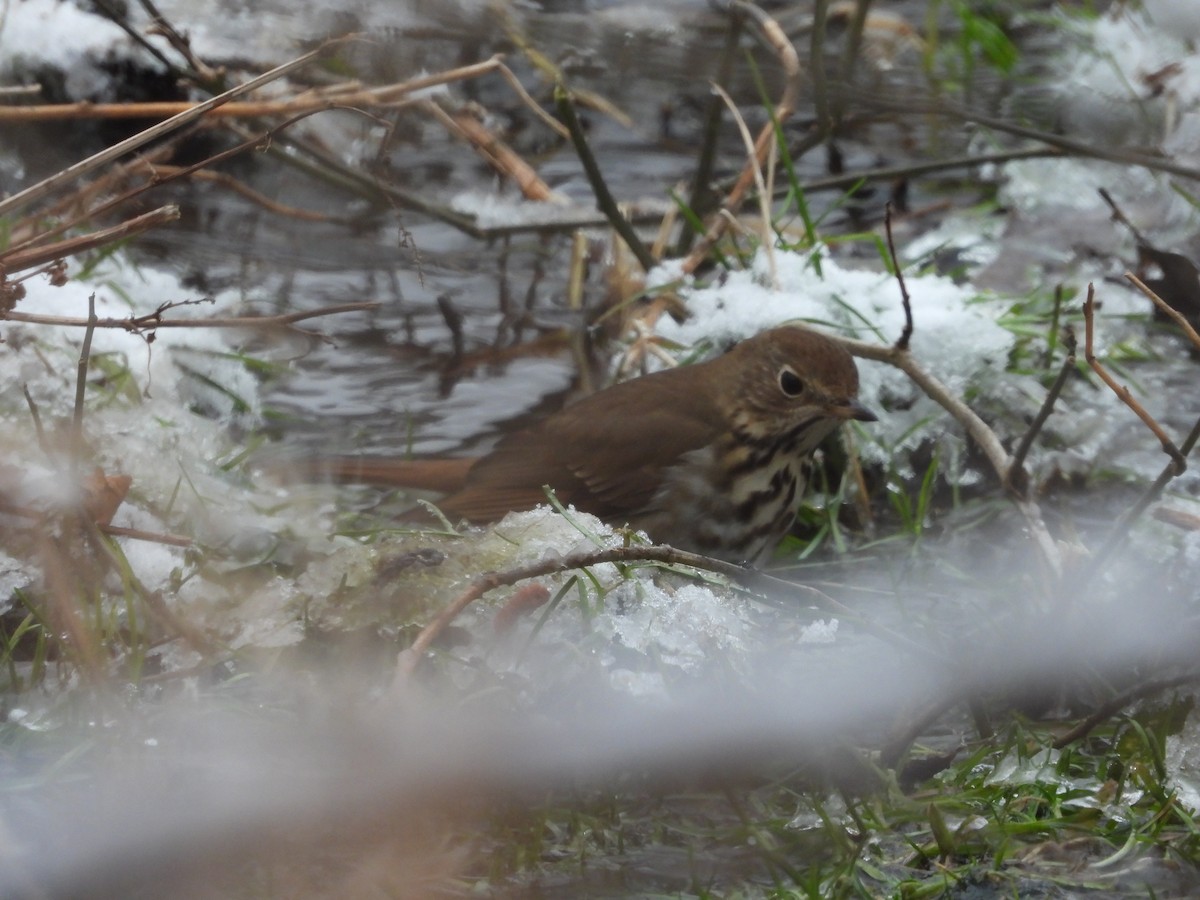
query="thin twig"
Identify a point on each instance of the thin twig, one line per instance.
(978, 430)
(85, 353)
(1121, 217)
(154, 320)
(921, 167)
(324, 164)
(816, 61)
(700, 195)
(241, 188)
(906, 332)
(1119, 702)
(138, 534)
(786, 52)
(498, 154)
(37, 419)
(1175, 315)
(180, 42)
(1122, 392)
(116, 16)
(1082, 148)
(69, 174)
(1122, 526)
(854, 36)
(604, 199)
(36, 256)
(1017, 466)
(766, 239)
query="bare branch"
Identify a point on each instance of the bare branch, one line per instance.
(69, 174)
(154, 320)
(1175, 315)
(978, 430)
(36, 256)
(906, 333)
(1122, 392)
(1016, 468)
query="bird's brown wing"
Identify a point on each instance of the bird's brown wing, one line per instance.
(605, 454)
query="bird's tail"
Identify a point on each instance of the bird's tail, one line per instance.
(444, 476)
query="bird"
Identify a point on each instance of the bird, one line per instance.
(709, 458)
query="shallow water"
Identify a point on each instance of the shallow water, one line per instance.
(391, 383)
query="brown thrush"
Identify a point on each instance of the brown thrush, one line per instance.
(709, 457)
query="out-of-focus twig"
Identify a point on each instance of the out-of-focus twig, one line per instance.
(498, 154)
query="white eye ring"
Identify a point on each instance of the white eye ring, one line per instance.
(790, 383)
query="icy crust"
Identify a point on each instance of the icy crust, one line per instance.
(639, 631)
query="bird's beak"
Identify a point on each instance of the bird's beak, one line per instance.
(852, 409)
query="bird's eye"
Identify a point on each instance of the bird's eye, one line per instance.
(789, 382)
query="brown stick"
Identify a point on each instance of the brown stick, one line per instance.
(778, 41)
(154, 320)
(36, 256)
(1175, 315)
(240, 187)
(1016, 469)
(1122, 392)
(137, 534)
(96, 161)
(499, 155)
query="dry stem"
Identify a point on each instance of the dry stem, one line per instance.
(764, 195)
(778, 41)
(1175, 315)
(1122, 392)
(25, 259)
(154, 320)
(906, 332)
(498, 154)
(1016, 469)
(54, 182)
